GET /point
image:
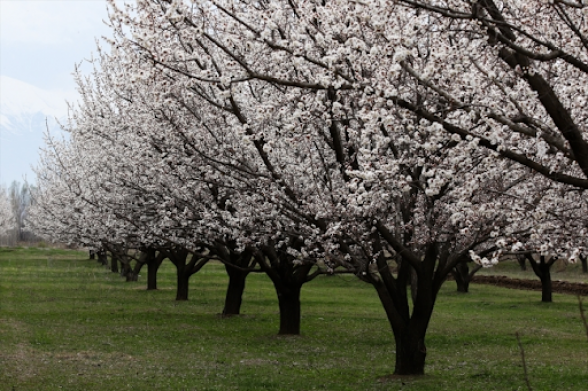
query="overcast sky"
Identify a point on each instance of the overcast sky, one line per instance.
(40, 43)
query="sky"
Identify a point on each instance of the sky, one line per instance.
(41, 41)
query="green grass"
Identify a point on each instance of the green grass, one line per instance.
(68, 324)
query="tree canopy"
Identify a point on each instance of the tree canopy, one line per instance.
(390, 139)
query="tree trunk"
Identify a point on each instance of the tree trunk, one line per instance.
(102, 257)
(410, 354)
(152, 276)
(184, 269)
(461, 274)
(584, 261)
(409, 332)
(130, 276)
(288, 280)
(92, 254)
(183, 281)
(542, 270)
(127, 271)
(137, 270)
(414, 284)
(113, 263)
(153, 264)
(410, 325)
(289, 303)
(234, 296)
(546, 290)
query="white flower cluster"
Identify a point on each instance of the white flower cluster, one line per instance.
(336, 132)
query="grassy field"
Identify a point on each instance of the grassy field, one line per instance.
(68, 324)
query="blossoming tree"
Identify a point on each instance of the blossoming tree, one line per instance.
(311, 91)
(310, 136)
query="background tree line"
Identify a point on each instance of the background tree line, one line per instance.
(15, 202)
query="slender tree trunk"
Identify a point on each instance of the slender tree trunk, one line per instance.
(289, 303)
(584, 261)
(235, 290)
(92, 254)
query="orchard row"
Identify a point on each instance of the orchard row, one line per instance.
(395, 140)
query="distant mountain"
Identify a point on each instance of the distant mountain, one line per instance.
(24, 107)
(25, 112)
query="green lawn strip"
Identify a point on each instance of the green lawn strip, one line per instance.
(68, 323)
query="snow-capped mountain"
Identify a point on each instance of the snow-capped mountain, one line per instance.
(24, 107)
(25, 112)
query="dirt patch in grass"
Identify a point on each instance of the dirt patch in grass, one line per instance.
(89, 357)
(403, 379)
(574, 288)
(259, 361)
(21, 361)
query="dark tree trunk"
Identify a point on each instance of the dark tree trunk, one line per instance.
(410, 354)
(584, 261)
(153, 264)
(178, 258)
(288, 279)
(409, 331)
(152, 276)
(289, 303)
(130, 276)
(113, 263)
(414, 285)
(461, 274)
(137, 269)
(235, 290)
(542, 270)
(127, 271)
(183, 281)
(92, 254)
(409, 325)
(546, 289)
(184, 269)
(102, 257)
